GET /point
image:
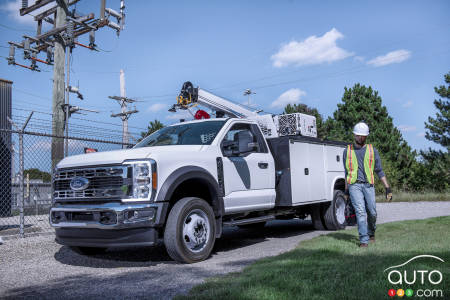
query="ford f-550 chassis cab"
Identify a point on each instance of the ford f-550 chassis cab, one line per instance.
(187, 181)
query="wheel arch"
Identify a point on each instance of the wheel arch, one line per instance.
(190, 177)
(338, 184)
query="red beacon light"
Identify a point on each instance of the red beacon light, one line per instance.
(201, 114)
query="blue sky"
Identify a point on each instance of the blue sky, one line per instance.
(285, 51)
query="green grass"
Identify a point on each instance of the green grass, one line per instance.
(333, 267)
(414, 197)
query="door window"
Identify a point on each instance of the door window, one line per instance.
(253, 131)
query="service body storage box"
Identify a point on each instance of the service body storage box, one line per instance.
(306, 167)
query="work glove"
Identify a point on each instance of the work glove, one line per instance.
(388, 194)
(347, 194)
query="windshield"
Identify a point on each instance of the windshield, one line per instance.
(201, 133)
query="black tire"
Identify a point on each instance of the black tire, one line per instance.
(253, 225)
(89, 250)
(316, 217)
(334, 212)
(188, 210)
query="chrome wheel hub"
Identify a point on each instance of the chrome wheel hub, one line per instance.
(340, 210)
(196, 229)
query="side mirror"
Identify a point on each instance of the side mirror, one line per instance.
(245, 142)
(229, 148)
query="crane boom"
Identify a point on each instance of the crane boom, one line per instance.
(288, 124)
(190, 96)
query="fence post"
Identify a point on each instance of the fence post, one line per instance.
(21, 171)
(22, 190)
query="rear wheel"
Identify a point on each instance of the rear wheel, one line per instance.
(190, 234)
(316, 217)
(334, 212)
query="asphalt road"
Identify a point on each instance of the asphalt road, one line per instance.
(37, 267)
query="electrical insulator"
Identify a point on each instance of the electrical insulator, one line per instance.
(49, 55)
(12, 51)
(122, 22)
(33, 64)
(70, 30)
(12, 54)
(92, 39)
(24, 3)
(26, 49)
(122, 12)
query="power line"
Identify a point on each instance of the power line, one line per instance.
(14, 29)
(80, 119)
(36, 111)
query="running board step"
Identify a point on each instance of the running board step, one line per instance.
(249, 221)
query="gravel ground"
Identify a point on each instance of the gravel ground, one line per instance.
(37, 267)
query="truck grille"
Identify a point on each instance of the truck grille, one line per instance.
(101, 183)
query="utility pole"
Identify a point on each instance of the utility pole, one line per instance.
(68, 24)
(123, 94)
(124, 114)
(58, 89)
(247, 93)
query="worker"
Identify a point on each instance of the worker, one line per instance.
(361, 161)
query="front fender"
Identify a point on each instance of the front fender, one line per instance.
(188, 172)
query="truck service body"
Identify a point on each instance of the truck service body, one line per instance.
(188, 180)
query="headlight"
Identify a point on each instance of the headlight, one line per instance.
(143, 180)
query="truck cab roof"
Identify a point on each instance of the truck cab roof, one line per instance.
(213, 119)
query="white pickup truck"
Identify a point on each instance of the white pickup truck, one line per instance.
(187, 181)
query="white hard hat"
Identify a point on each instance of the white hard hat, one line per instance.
(361, 129)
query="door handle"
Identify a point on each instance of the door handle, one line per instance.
(263, 165)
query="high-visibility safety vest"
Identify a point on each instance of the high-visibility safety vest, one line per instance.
(351, 164)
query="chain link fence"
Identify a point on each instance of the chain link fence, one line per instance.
(26, 173)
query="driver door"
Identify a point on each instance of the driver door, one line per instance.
(249, 176)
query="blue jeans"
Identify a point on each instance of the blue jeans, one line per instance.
(362, 196)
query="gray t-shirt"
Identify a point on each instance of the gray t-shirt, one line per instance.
(360, 152)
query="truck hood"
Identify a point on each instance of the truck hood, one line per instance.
(118, 156)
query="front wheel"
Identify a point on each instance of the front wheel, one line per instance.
(334, 212)
(190, 234)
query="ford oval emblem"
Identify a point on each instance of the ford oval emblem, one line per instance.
(79, 183)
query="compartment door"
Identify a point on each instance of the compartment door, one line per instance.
(317, 172)
(300, 178)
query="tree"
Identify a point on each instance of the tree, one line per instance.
(439, 127)
(434, 171)
(152, 127)
(305, 109)
(362, 103)
(37, 174)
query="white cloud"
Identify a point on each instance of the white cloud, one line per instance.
(291, 96)
(407, 104)
(182, 114)
(393, 57)
(12, 10)
(312, 50)
(406, 128)
(421, 134)
(156, 107)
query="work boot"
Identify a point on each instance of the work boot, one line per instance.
(363, 245)
(372, 239)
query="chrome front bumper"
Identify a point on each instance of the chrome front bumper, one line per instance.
(112, 215)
